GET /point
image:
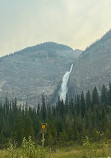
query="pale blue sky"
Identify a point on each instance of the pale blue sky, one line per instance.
(76, 23)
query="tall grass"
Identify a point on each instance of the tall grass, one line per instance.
(29, 150)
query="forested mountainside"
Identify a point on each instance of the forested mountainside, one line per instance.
(93, 68)
(29, 73)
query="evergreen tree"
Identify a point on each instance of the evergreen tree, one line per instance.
(49, 111)
(18, 130)
(95, 97)
(83, 106)
(66, 106)
(104, 100)
(62, 109)
(109, 95)
(38, 109)
(77, 105)
(88, 100)
(71, 105)
(43, 108)
(28, 126)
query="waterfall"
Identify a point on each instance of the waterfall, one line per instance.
(64, 88)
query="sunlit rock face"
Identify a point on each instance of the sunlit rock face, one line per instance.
(29, 73)
(93, 67)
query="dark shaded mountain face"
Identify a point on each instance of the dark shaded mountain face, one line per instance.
(93, 67)
(29, 73)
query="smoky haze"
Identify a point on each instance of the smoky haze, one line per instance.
(76, 23)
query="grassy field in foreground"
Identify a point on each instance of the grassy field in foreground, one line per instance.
(87, 151)
(91, 151)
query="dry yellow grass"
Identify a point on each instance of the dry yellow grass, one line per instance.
(91, 151)
(67, 154)
(4, 154)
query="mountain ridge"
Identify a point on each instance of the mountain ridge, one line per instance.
(42, 46)
(28, 74)
(93, 67)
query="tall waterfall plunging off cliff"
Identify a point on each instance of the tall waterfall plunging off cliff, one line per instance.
(64, 88)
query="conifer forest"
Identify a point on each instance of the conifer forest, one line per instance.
(85, 116)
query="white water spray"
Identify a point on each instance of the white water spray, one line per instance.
(64, 88)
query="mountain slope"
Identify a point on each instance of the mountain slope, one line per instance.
(29, 73)
(93, 68)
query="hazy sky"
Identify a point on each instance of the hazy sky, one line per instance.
(76, 23)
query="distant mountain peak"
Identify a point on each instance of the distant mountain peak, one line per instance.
(54, 45)
(43, 46)
(47, 46)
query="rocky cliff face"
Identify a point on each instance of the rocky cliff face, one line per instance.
(93, 68)
(29, 73)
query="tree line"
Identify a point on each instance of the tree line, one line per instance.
(85, 116)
